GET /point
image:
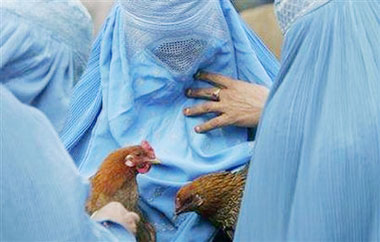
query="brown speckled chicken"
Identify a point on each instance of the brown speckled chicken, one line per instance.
(115, 181)
(216, 197)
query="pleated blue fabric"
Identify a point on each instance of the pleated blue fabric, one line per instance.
(315, 170)
(133, 89)
(44, 46)
(42, 193)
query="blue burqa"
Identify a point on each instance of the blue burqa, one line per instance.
(44, 46)
(315, 173)
(42, 193)
(133, 89)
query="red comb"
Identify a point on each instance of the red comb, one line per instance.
(146, 146)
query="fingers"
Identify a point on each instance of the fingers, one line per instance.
(116, 212)
(207, 107)
(205, 93)
(131, 227)
(217, 79)
(214, 123)
(131, 220)
(134, 217)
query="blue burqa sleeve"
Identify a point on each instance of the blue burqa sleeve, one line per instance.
(42, 193)
(133, 89)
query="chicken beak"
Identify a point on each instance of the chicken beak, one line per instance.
(178, 211)
(188, 206)
(155, 162)
(181, 209)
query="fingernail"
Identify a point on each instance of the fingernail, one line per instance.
(188, 92)
(186, 111)
(197, 129)
(197, 75)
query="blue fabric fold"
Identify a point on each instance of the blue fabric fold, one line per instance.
(44, 47)
(133, 89)
(315, 170)
(42, 193)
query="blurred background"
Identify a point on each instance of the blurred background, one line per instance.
(259, 14)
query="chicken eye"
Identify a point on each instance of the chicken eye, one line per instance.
(138, 154)
(189, 199)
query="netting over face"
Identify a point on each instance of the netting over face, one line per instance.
(288, 11)
(180, 55)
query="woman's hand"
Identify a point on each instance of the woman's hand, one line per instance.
(237, 103)
(116, 212)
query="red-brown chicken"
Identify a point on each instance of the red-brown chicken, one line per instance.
(216, 197)
(115, 181)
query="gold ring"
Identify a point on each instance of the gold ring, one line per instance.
(215, 94)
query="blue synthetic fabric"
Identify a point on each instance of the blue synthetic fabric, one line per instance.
(133, 89)
(42, 193)
(316, 164)
(44, 46)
